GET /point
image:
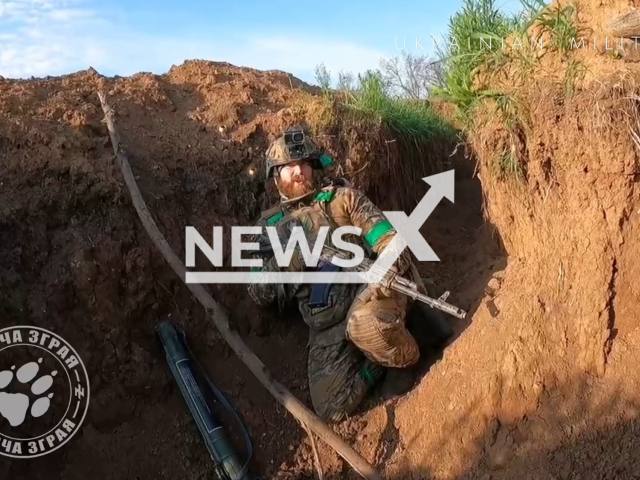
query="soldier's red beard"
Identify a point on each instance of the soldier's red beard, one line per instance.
(298, 186)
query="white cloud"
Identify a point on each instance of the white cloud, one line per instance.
(53, 37)
(42, 37)
(31, 10)
(70, 14)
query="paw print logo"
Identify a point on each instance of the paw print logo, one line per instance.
(15, 406)
(44, 391)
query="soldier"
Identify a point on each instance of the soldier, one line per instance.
(355, 330)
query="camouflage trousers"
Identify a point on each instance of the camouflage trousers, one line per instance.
(346, 361)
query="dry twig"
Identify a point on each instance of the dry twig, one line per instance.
(315, 452)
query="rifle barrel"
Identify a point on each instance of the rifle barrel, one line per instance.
(399, 284)
(432, 302)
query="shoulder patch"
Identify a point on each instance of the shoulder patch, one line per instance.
(275, 218)
(325, 195)
(273, 215)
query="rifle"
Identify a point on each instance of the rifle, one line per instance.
(395, 282)
(320, 292)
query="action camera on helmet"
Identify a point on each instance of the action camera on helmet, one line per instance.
(294, 139)
(294, 136)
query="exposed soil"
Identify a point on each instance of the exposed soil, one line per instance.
(544, 382)
(75, 259)
(540, 381)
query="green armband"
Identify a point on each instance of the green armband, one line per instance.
(379, 229)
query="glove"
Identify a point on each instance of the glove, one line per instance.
(265, 244)
(383, 289)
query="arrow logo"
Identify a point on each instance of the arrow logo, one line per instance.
(408, 228)
(442, 185)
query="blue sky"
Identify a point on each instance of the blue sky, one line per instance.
(53, 37)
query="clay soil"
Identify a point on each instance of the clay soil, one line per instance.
(75, 259)
(540, 381)
(544, 382)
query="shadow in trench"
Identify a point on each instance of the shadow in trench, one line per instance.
(470, 249)
(471, 254)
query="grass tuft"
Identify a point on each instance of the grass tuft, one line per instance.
(475, 34)
(410, 139)
(556, 20)
(475, 72)
(414, 120)
(510, 167)
(575, 72)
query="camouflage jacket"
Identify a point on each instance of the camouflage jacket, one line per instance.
(333, 207)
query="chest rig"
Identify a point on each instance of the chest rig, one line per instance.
(312, 215)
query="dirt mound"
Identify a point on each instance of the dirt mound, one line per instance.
(544, 382)
(75, 259)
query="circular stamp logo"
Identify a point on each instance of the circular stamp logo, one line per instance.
(44, 392)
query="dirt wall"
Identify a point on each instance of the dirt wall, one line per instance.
(540, 382)
(543, 383)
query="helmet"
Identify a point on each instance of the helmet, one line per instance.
(293, 146)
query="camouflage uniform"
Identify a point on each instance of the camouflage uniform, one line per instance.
(353, 337)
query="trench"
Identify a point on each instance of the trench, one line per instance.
(107, 294)
(74, 259)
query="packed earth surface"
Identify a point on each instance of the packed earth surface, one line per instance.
(539, 381)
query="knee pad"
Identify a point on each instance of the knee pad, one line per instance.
(386, 343)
